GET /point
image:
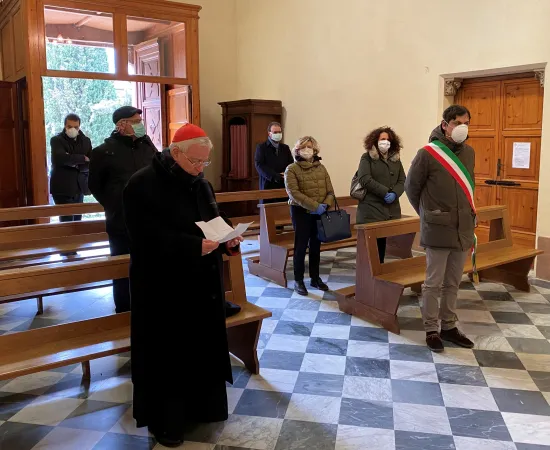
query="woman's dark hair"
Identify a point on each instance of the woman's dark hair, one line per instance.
(372, 140)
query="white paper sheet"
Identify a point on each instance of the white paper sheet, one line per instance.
(218, 230)
(521, 157)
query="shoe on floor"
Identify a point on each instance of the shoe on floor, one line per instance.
(456, 336)
(318, 284)
(434, 342)
(166, 439)
(300, 287)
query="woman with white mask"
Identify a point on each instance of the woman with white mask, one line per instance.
(382, 177)
(310, 194)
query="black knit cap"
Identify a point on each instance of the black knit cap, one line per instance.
(125, 112)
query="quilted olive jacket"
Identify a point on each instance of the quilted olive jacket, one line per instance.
(308, 184)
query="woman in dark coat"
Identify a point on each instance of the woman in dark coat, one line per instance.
(381, 174)
(180, 357)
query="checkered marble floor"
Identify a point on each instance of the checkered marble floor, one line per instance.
(328, 380)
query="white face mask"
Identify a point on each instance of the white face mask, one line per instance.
(384, 145)
(306, 153)
(276, 136)
(460, 133)
(71, 132)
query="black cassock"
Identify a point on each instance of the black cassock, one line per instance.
(180, 358)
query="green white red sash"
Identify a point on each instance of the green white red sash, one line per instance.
(456, 169)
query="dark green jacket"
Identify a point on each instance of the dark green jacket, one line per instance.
(380, 176)
(446, 217)
(308, 184)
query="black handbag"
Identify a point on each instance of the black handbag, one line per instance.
(334, 225)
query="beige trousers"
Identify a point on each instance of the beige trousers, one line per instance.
(444, 270)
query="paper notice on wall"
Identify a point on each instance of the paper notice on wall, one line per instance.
(521, 157)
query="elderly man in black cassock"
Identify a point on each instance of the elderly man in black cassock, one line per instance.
(180, 357)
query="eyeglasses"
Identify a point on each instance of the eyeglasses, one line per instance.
(198, 162)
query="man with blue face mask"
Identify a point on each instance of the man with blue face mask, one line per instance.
(127, 150)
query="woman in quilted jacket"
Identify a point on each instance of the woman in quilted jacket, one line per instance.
(310, 194)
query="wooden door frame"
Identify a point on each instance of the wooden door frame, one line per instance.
(34, 29)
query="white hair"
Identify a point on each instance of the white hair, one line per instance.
(183, 146)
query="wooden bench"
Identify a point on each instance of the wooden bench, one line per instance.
(379, 286)
(78, 342)
(276, 248)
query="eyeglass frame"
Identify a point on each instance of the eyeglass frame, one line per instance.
(197, 163)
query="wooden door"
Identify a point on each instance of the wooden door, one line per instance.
(148, 61)
(505, 132)
(11, 170)
(179, 109)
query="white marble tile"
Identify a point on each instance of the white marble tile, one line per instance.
(233, 397)
(537, 363)
(358, 322)
(474, 315)
(69, 439)
(509, 379)
(541, 320)
(259, 433)
(547, 396)
(47, 411)
(330, 364)
(528, 297)
(495, 343)
(409, 337)
(330, 331)
(273, 302)
(466, 294)
(421, 418)
(268, 326)
(542, 290)
(521, 331)
(466, 443)
(528, 429)
(480, 329)
(358, 438)
(491, 287)
(468, 397)
(364, 388)
(255, 291)
(273, 380)
(36, 382)
(313, 408)
(299, 315)
(413, 371)
(127, 425)
(117, 390)
(456, 356)
(502, 306)
(372, 350)
(412, 311)
(329, 306)
(287, 343)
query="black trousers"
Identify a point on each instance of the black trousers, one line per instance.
(66, 200)
(381, 242)
(120, 245)
(305, 235)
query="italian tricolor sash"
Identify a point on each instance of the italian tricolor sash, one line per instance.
(454, 166)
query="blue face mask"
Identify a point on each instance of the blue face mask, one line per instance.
(139, 130)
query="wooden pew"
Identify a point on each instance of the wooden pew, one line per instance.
(276, 248)
(79, 342)
(379, 286)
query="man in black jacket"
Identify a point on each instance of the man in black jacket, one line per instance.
(271, 159)
(71, 151)
(126, 151)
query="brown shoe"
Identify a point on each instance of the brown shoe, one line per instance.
(434, 342)
(456, 336)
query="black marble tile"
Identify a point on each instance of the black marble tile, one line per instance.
(365, 367)
(115, 441)
(37, 323)
(298, 435)
(498, 296)
(275, 359)
(456, 374)
(467, 286)
(241, 376)
(252, 299)
(11, 403)
(368, 334)
(511, 317)
(535, 346)
(363, 413)
(545, 331)
(203, 432)
(277, 313)
(408, 300)
(319, 384)
(536, 308)
(21, 436)
(278, 292)
(263, 403)
(416, 392)
(330, 296)
(293, 328)
(406, 440)
(349, 279)
(305, 304)
(521, 402)
(95, 415)
(478, 424)
(477, 305)
(72, 386)
(405, 352)
(333, 318)
(326, 346)
(542, 380)
(532, 447)
(502, 360)
(411, 323)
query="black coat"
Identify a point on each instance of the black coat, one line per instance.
(178, 306)
(70, 169)
(270, 163)
(111, 166)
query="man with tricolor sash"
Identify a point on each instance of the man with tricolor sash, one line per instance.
(440, 187)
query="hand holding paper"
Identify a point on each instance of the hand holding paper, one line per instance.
(218, 230)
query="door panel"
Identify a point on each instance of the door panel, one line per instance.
(179, 110)
(522, 104)
(482, 100)
(522, 204)
(486, 162)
